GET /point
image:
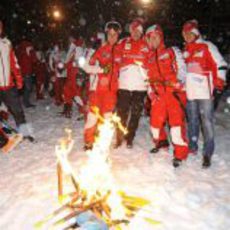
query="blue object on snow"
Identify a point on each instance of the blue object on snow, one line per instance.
(88, 221)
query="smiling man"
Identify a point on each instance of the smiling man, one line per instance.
(206, 70)
(132, 82)
(103, 88)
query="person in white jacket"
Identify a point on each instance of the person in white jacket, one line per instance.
(206, 70)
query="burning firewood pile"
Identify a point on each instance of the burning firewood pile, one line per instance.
(96, 202)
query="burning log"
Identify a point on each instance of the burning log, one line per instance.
(60, 180)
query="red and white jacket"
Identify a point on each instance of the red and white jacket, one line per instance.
(105, 56)
(57, 59)
(206, 69)
(166, 70)
(9, 69)
(75, 51)
(133, 57)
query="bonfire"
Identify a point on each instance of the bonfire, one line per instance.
(95, 195)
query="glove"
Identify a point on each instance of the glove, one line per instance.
(217, 92)
(154, 97)
(107, 69)
(19, 85)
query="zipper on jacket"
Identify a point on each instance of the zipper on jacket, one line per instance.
(3, 70)
(159, 71)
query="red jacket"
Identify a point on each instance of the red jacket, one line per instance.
(26, 57)
(133, 56)
(106, 56)
(166, 69)
(206, 69)
(9, 69)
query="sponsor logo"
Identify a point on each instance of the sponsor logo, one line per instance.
(127, 46)
(198, 54)
(164, 56)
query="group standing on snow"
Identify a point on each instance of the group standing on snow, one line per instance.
(123, 76)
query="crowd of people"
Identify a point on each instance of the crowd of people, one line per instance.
(127, 76)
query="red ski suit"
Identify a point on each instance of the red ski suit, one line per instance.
(166, 75)
(71, 89)
(40, 70)
(103, 89)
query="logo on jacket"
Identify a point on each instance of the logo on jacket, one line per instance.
(198, 54)
(105, 55)
(186, 54)
(144, 49)
(127, 46)
(164, 56)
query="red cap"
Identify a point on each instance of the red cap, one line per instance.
(191, 26)
(79, 42)
(154, 29)
(137, 24)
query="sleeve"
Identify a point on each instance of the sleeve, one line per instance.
(95, 57)
(33, 56)
(90, 63)
(15, 69)
(218, 65)
(92, 69)
(51, 62)
(70, 53)
(78, 52)
(179, 65)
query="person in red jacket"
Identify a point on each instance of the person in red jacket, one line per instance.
(26, 59)
(71, 89)
(206, 72)
(132, 82)
(103, 89)
(40, 70)
(10, 81)
(166, 71)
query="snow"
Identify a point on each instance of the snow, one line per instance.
(185, 198)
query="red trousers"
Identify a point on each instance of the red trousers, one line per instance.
(58, 90)
(167, 108)
(105, 101)
(70, 87)
(40, 72)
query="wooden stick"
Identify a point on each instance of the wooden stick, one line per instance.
(75, 213)
(60, 180)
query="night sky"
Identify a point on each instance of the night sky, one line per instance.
(34, 18)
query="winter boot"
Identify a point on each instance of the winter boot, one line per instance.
(29, 138)
(119, 140)
(160, 144)
(67, 110)
(88, 146)
(129, 144)
(206, 162)
(3, 139)
(27, 131)
(177, 162)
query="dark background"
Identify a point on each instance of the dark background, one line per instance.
(34, 19)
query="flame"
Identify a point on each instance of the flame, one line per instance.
(96, 176)
(95, 185)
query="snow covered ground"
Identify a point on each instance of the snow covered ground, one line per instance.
(185, 198)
